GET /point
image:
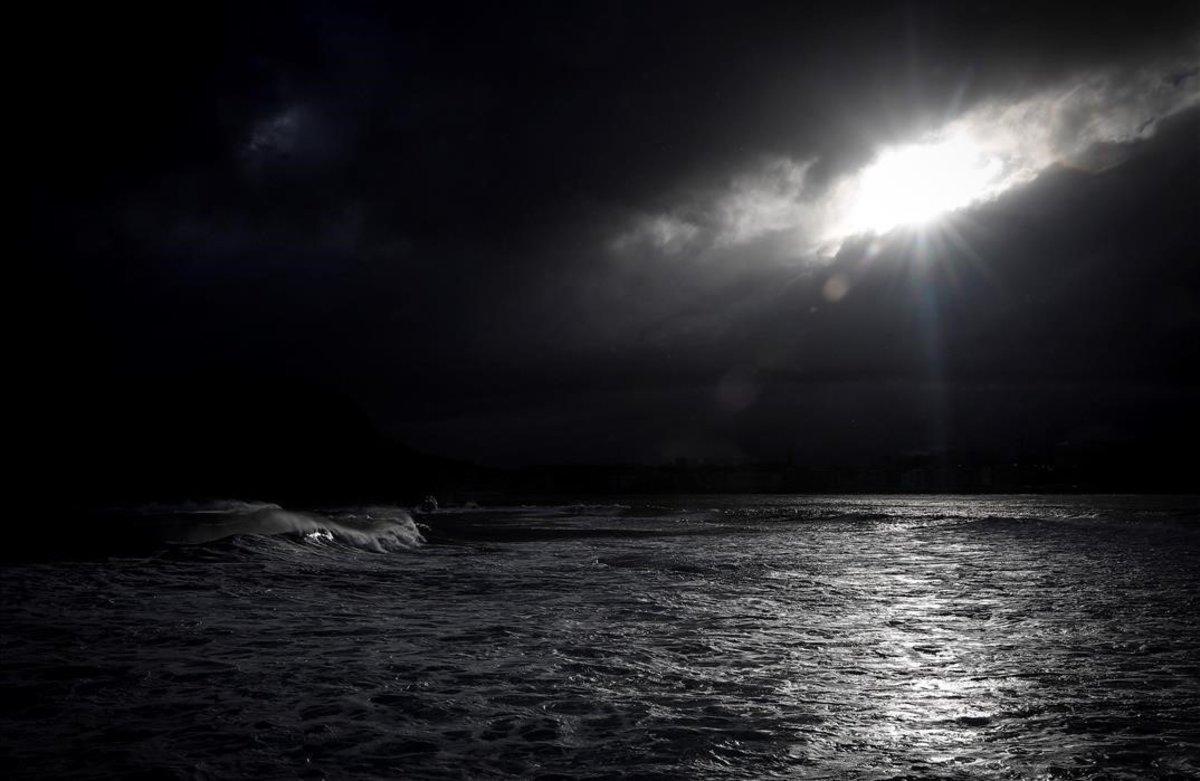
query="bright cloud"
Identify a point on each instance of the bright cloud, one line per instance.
(974, 158)
(916, 183)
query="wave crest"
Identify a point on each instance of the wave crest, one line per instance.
(377, 529)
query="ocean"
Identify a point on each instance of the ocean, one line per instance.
(688, 637)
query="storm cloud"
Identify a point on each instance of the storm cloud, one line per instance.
(626, 232)
(1087, 123)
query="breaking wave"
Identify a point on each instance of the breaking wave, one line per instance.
(377, 529)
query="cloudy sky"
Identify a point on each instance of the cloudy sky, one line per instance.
(632, 232)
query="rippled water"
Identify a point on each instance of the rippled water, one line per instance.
(752, 637)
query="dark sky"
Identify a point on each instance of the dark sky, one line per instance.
(572, 232)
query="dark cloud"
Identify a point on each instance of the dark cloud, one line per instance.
(419, 207)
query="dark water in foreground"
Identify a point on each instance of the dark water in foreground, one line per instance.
(705, 637)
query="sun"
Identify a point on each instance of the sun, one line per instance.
(915, 184)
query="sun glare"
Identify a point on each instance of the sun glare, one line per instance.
(917, 183)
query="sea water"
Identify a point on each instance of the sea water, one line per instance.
(695, 637)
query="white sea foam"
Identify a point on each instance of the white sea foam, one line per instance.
(379, 529)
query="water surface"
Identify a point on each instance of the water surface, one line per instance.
(702, 637)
